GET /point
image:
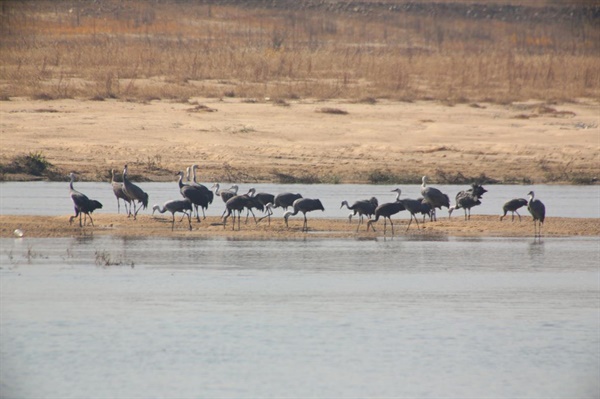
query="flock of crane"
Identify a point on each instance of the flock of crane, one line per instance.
(195, 196)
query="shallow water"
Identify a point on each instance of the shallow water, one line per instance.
(408, 317)
(52, 198)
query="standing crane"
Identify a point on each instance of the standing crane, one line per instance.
(135, 194)
(120, 194)
(362, 208)
(538, 212)
(81, 203)
(386, 211)
(434, 197)
(303, 205)
(195, 196)
(285, 200)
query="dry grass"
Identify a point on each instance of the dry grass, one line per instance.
(139, 50)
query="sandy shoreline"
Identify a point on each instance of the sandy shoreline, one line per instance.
(211, 227)
(257, 141)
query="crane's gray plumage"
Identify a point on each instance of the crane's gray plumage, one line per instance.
(207, 192)
(413, 206)
(225, 195)
(134, 193)
(175, 206)
(466, 201)
(538, 212)
(362, 208)
(512, 206)
(120, 194)
(285, 200)
(386, 211)
(82, 204)
(195, 196)
(233, 205)
(303, 205)
(434, 197)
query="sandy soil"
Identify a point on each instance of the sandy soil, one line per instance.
(160, 226)
(237, 140)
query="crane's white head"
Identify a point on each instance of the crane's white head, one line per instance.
(72, 176)
(234, 188)
(531, 195)
(251, 191)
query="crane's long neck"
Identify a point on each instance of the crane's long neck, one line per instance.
(71, 183)
(217, 186)
(180, 182)
(194, 174)
(398, 196)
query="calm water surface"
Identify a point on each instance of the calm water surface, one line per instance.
(52, 198)
(408, 317)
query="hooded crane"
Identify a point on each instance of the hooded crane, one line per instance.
(387, 210)
(362, 208)
(413, 206)
(236, 204)
(512, 206)
(466, 201)
(434, 197)
(81, 203)
(195, 196)
(225, 195)
(538, 212)
(303, 205)
(285, 200)
(134, 193)
(120, 194)
(175, 206)
(207, 192)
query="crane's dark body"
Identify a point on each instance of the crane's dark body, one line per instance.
(82, 204)
(362, 208)
(513, 206)
(120, 194)
(135, 194)
(386, 211)
(285, 200)
(174, 206)
(303, 205)
(434, 197)
(537, 209)
(197, 197)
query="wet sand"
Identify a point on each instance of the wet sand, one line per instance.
(160, 226)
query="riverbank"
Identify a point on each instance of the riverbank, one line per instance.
(305, 141)
(211, 227)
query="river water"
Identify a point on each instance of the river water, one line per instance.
(416, 316)
(52, 198)
(222, 318)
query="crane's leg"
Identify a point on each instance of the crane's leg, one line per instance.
(119, 205)
(225, 219)
(466, 218)
(417, 222)
(409, 222)
(91, 220)
(173, 222)
(392, 223)
(358, 225)
(517, 215)
(189, 220)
